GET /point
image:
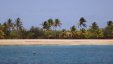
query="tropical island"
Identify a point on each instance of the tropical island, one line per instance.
(15, 30)
(56, 31)
(14, 33)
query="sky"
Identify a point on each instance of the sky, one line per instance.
(34, 12)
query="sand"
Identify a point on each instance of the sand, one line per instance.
(56, 42)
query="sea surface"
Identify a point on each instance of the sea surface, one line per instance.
(88, 54)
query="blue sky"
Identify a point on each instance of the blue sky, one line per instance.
(34, 12)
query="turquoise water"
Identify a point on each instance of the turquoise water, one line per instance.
(56, 54)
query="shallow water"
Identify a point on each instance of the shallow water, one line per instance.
(56, 54)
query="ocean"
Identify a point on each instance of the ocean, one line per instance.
(80, 54)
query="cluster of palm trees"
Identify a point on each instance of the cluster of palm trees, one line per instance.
(10, 29)
(51, 24)
(15, 30)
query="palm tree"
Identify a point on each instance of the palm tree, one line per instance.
(82, 22)
(57, 23)
(45, 25)
(50, 22)
(94, 26)
(18, 24)
(18, 27)
(10, 25)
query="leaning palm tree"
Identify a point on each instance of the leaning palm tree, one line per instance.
(82, 22)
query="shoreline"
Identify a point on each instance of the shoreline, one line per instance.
(56, 42)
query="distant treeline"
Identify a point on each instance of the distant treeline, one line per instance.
(15, 30)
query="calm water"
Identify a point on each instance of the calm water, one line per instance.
(56, 54)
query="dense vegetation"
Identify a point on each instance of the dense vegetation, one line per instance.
(15, 30)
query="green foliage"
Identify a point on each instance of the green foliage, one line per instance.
(94, 26)
(35, 32)
(108, 31)
(13, 35)
(2, 35)
(73, 28)
(15, 30)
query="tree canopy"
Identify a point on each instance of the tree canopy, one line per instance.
(14, 29)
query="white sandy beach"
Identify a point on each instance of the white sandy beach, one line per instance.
(56, 42)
